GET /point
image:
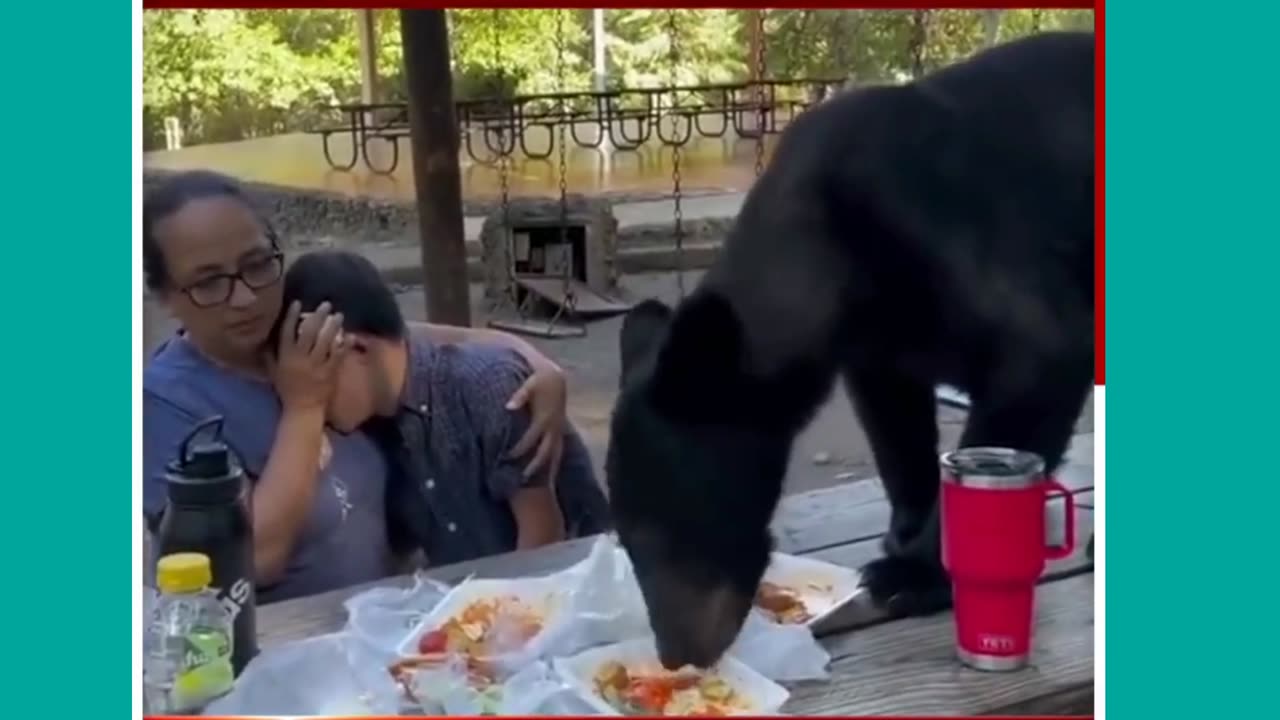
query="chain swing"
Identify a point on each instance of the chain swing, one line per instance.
(503, 151)
(523, 295)
(569, 300)
(759, 60)
(506, 133)
(674, 43)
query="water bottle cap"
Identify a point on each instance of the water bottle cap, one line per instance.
(207, 460)
(205, 471)
(183, 572)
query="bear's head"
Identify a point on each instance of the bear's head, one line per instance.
(696, 460)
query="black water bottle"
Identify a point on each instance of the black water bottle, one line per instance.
(208, 512)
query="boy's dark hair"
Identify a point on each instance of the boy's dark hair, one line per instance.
(172, 195)
(353, 287)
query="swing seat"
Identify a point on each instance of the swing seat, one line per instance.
(537, 328)
(588, 303)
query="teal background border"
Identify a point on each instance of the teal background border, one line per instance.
(66, 428)
(1193, 320)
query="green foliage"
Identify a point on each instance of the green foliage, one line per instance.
(230, 74)
(640, 47)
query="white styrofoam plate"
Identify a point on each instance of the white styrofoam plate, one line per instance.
(762, 696)
(541, 594)
(823, 587)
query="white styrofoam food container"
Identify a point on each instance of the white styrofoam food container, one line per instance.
(824, 587)
(764, 696)
(542, 594)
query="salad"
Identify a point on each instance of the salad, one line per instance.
(660, 692)
(484, 628)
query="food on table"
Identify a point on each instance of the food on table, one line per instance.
(484, 628)
(660, 692)
(477, 674)
(468, 641)
(782, 604)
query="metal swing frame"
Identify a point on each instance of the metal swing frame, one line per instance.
(556, 327)
(673, 38)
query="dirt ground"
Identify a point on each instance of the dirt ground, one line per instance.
(831, 451)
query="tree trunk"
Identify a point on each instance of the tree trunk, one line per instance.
(991, 27)
(436, 176)
(367, 30)
(919, 39)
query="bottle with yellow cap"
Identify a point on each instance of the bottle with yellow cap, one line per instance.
(189, 639)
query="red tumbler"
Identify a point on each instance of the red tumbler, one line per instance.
(993, 547)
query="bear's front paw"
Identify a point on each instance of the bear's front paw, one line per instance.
(907, 587)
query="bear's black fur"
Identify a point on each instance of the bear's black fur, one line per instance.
(936, 232)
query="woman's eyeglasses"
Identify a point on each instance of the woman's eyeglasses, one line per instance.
(256, 274)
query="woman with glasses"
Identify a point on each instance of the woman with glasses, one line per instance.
(319, 515)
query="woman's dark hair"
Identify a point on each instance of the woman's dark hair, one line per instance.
(173, 194)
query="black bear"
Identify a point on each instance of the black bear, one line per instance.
(940, 231)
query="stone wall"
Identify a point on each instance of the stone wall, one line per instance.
(307, 218)
(310, 217)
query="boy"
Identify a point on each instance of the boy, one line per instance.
(439, 413)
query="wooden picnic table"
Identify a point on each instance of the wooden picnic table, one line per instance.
(878, 666)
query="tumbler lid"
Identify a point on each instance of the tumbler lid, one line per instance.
(993, 468)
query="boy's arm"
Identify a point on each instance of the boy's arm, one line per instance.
(544, 392)
(491, 378)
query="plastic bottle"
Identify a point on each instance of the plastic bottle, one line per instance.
(187, 654)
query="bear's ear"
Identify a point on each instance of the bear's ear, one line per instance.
(699, 365)
(643, 330)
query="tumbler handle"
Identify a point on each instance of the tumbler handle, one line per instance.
(1068, 545)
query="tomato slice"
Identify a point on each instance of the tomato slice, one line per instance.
(650, 694)
(435, 641)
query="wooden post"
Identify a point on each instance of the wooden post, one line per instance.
(991, 27)
(436, 177)
(367, 35)
(597, 47)
(753, 43)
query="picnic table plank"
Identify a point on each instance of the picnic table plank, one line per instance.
(909, 667)
(826, 517)
(861, 613)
